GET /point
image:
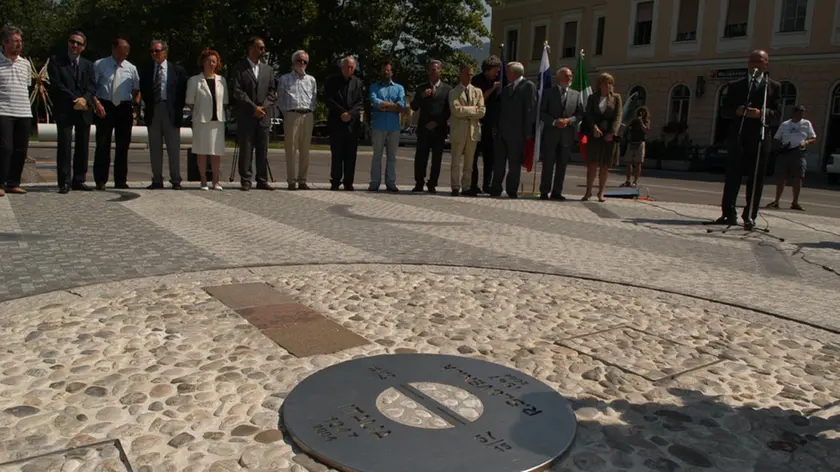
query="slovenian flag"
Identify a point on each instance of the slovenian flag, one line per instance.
(543, 83)
(580, 82)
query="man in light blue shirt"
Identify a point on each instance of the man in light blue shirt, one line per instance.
(117, 92)
(387, 101)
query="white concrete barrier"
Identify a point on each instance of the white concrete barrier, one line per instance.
(47, 132)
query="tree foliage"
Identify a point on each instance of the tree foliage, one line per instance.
(409, 32)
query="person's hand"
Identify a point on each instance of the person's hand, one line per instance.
(596, 131)
(609, 137)
(753, 113)
(561, 123)
(427, 93)
(497, 85)
(100, 110)
(345, 117)
(740, 111)
(80, 104)
(431, 125)
(259, 112)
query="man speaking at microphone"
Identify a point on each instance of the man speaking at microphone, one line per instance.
(743, 103)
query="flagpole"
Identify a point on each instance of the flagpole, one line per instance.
(539, 124)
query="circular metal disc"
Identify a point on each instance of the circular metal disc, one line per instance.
(441, 413)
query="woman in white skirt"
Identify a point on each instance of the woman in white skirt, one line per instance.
(207, 96)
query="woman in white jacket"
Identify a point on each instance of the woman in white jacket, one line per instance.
(207, 96)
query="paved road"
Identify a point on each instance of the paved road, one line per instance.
(698, 188)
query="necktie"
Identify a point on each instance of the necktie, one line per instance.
(75, 65)
(159, 84)
(115, 96)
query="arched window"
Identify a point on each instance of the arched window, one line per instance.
(788, 99)
(641, 95)
(679, 104)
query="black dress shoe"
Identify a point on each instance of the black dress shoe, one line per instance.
(432, 189)
(558, 198)
(726, 220)
(335, 186)
(543, 196)
(470, 193)
(349, 187)
(455, 192)
(392, 190)
(64, 188)
(749, 224)
(121, 186)
(81, 186)
(100, 187)
(154, 186)
(417, 188)
(177, 187)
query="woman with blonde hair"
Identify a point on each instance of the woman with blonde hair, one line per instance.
(601, 122)
(207, 96)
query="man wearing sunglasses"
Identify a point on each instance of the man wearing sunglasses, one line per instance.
(163, 86)
(298, 95)
(254, 93)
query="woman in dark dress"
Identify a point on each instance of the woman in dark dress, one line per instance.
(602, 121)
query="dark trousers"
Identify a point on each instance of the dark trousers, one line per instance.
(486, 148)
(118, 119)
(251, 138)
(508, 154)
(555, 161)
(343, 147)
(429, 141)
(14, 144)
(79, 155)
(742, 161)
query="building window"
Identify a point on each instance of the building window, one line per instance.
(539, 34)
(599, 36)
(638, 94)
(511, 45)
(569, 39)
(679, 104)
(688, 19)
(835, 102)
(793, 16)
(788, 99)
(644, 24)
(737, 19)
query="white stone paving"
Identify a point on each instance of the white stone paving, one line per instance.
(186, 384)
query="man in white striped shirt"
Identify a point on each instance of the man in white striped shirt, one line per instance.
(298, 94)
(15, 110)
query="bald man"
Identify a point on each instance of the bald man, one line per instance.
(743, 103)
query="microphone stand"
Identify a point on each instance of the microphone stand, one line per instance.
(757, 167)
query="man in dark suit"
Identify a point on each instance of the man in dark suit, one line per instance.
(431, 100)
(72, 87)
(516, 125)
(163, 86)
(343, 96)
(560, 111)
(488, 82)
(254, 94)
(742, 103)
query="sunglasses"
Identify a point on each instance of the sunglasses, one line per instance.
(76, 43)
(155, 51)
(302, 61)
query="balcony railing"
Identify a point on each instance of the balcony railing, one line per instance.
(738, 30)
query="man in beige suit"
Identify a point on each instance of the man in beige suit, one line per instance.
(466, 103)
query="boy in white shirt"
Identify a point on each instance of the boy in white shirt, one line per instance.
(795, 135)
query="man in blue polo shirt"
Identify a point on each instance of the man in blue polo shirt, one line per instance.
(387, 101)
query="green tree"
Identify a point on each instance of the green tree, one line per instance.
(44, 24)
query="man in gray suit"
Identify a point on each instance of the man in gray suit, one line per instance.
(560, 111)
(254, 93)
(516, 125)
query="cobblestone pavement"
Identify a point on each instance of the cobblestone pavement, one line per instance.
(184, 383)
(600, 301)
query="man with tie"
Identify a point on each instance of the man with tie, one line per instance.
(254, 92)
(516, 125)
(467, 105)
(344, 97)
(163, 87)
(432, 101)
(298, 96)
(560, 111)
(742, 103)
(72, 87)
(117, 91)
